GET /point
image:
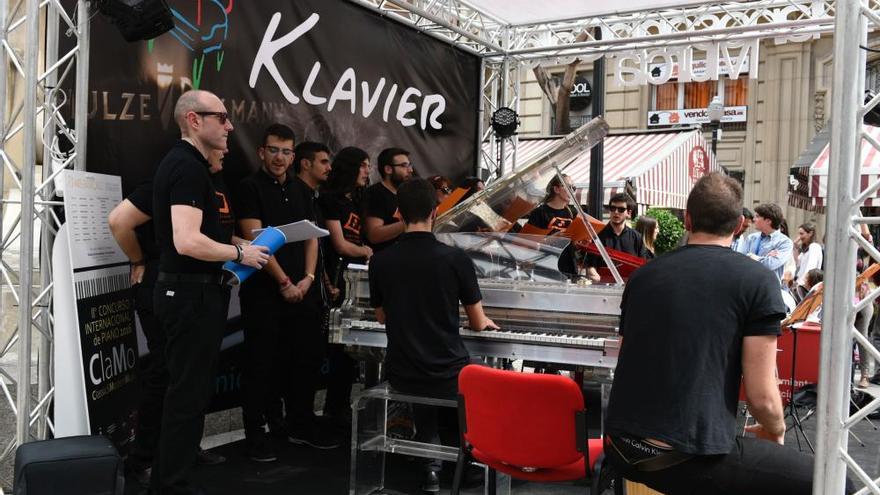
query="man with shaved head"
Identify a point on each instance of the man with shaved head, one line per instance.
(190, 299)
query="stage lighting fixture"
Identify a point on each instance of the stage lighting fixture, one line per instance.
(504, 122)
(138, 19)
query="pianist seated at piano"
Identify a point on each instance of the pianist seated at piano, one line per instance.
(416, 286)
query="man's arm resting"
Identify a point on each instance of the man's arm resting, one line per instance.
(762, 391)
(123, 220)
(341, 245)
(378, 232)
(189, 241)
(477, 319)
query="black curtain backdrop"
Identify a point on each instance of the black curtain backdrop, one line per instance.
(362, 57)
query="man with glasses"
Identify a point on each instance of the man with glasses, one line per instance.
(617, 234)
(277, 305)
(382, 223)
(189, 299)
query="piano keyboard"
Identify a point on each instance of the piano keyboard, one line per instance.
(566, 349)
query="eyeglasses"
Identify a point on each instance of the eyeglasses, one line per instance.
(445, 190)
(618, 209)
(274, 150)
(404, 165)
(221, 116)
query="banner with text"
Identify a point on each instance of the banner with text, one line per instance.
(335, 72)
(104, 313)
(695, 116)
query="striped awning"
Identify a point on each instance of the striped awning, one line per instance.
(660, 166)
(870, 170)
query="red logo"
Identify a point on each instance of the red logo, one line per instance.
(558, 224)
(698, 163)
(353, 224)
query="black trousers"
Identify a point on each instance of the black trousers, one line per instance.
(154, 375)
(284, 348)
(756, 467)
(343, 372)
(193, 317)
(432, 422)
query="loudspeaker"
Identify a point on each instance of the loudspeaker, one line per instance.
(138, 19)
(84, 465)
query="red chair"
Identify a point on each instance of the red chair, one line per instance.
(529, 426)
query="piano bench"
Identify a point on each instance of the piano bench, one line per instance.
(370, 440)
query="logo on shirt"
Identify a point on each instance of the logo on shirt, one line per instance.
(558, 224)
(353, 224)
(223, 205)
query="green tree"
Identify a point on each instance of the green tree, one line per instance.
(671, 229)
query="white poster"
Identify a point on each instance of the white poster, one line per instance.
(99, 327)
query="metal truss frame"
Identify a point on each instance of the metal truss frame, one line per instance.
(505, 49)
(37, 123)
(845, 197)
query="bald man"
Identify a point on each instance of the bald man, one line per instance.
(190, 299)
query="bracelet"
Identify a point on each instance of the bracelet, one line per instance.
(239, 257)
(285, 283)
(140, 262)
(311, 276)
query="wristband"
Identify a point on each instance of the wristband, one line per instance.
(285, 283)
(140, 262)
(311, 276)
(240, 253)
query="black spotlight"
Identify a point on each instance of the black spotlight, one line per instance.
(504, 122)
(138, 19)
(872, 117)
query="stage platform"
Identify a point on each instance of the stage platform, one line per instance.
(304, 470)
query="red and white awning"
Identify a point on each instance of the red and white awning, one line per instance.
(662, 166)
(870, 170)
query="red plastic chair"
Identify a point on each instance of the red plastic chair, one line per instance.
(530, 426)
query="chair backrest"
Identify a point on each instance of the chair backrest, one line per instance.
(521, 419)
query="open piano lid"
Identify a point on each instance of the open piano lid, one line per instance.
(481, 224)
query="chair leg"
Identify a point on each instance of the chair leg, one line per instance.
(460, 465)
(492, 481)
(596, 476)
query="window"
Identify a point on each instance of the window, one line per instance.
(678, 96)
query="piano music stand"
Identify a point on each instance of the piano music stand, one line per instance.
(797, 422)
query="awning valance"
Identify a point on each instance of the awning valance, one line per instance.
(870, 169)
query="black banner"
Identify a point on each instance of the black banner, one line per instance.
(335, 72)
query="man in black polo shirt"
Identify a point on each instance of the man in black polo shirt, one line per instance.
(132, 227)
(617, 234)
(696, 323)
(416, 286)
(382, 224)
(189, 299)
(281, 305)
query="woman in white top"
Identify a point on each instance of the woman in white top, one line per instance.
(808, 255)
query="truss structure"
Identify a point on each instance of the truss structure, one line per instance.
(506, 50)
(34, 126)
(845, 196)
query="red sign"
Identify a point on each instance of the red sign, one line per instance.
(698, 163)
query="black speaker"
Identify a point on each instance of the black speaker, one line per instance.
(85, 465)
(138, 19)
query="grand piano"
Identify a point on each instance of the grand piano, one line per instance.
(544, 315)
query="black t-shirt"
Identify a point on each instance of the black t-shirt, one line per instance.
(381, 203)
(547, 217)
(341, 208)
(683, 319)
(419, 282)
(275, 203)
(142, 199)
(183, 179)
(629, 241)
